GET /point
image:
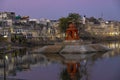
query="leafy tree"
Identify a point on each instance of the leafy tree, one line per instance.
(75, 17)
(72, 17)
(94, 20)
(63, 24)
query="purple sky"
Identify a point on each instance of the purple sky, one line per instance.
(54, 9)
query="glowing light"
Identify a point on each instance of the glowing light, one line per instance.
(5, 36)
(6, 57)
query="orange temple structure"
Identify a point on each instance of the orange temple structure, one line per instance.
(72, 33)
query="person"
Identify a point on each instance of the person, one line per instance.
(84, 20)
(83, 23)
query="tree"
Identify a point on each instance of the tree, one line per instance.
(75, 17)
(94, 20)
(72, 17)
(63, 24)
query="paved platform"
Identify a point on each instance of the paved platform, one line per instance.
(80, 49)
(72, 49)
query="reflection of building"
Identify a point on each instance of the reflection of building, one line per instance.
(20, 60)
(71, 72)
(73, 69)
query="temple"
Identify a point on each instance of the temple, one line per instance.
(72, 32)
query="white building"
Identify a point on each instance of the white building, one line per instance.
(7, 15)
(7, 18)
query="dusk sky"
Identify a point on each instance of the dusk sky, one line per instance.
(54, 9)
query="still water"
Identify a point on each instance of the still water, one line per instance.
(34, 66)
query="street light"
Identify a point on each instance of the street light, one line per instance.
(2, 22)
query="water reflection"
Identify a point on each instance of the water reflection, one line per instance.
(12, 61)
(71, 72)
(19, 60)
(116, 49)
(23, 64)
(113, 44)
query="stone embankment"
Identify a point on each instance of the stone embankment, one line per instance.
(90, 48)
(49, 49)
(74, 52)
(72, 49)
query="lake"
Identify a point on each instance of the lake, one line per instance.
(98, 66)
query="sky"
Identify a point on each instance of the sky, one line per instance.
(55, 9)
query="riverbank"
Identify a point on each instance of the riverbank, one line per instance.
(1, 78)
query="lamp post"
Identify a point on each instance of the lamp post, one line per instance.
(2, 23)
